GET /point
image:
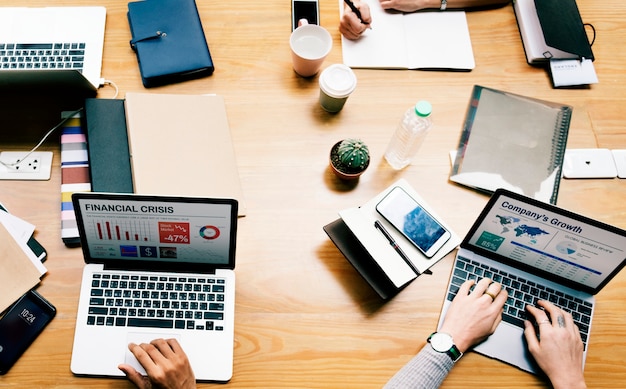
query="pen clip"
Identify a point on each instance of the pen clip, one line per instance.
(156, 35)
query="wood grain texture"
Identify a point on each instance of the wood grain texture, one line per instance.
(304, 317)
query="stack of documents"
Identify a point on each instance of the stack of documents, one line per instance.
(20, 267)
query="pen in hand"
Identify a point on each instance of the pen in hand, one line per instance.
(356, 11)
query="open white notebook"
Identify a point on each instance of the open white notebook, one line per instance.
(419, 40)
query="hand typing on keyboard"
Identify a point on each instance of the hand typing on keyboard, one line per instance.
(473, 316)
(476, 310)
(165, 363)
(558, 349)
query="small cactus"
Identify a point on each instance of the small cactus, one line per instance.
(353, 153)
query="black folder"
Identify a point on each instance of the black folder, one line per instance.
(360, 259)
(563, 27)
(107, 146)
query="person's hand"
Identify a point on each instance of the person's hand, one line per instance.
(165, 363)
(350, 26)
(558, 349)
(409, 5)
(472, 317)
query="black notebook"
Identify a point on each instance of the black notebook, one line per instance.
(551, 29)
(107, 145)
(513, 142)
(169, 40)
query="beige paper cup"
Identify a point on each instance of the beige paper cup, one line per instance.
(310, 44)
(337, 82)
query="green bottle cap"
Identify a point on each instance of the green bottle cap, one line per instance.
(423, 108)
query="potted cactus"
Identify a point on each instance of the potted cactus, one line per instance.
(349, 158)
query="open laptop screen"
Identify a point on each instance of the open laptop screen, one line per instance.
(548, 241)
(121, 229)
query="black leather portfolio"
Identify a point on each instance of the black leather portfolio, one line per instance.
(563, 27)
(107, 146)
(169, 41)
(361, 260)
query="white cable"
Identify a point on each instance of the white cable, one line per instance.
(111, 83)
(71, 115)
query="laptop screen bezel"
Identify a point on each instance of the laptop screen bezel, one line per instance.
(174, 265)
(550, 208)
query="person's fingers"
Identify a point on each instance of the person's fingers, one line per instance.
(465, 287)
(493, 290)
(531, 335)
(539, 315)
(556, 314)
(176, 347)
(366, 17)
(163, 347)
(350, 26)
(481, 287)
(133, 376)
(141, 354)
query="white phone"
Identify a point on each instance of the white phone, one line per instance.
(413, 221)
(304, 9)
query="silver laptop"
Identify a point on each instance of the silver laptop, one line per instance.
(156, 267)
(67, 39)
(537, 251)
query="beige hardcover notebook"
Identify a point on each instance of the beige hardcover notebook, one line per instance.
(180, 145)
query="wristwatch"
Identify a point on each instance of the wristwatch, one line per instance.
(443, 343)
(444, 4)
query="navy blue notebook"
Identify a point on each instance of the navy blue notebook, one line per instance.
(169, 41)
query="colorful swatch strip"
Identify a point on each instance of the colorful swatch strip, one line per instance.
(74, 176)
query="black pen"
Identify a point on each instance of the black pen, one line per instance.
(395, 246)
(354, 9)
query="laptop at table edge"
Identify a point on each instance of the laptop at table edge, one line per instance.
(494, 346)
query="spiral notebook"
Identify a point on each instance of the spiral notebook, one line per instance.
(513, 142)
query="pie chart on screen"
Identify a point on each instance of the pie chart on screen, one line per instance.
(567, 248)
(210, 232)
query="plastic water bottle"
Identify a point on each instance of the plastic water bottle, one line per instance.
(409, 135)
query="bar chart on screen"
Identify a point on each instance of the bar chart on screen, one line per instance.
(122, 230)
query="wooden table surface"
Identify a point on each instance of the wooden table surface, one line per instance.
(304, 317)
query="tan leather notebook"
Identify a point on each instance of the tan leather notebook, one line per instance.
(180, 145)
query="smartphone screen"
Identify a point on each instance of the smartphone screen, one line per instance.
(21, 325)
(304, 9)
(413, 221)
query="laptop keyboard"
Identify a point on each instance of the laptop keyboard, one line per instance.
(21, 56)
(157, 301)
(521, 293)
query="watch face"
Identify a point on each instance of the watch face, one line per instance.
(441, 342)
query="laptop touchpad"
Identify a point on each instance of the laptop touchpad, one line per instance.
(143, 337)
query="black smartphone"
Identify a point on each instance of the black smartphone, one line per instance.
(304, 9)
(413, 221)
(21, 325)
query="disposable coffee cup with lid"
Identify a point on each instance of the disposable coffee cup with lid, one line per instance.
(337, 82)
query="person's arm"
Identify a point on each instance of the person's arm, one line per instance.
(558, 349)
(427, 369)
(471, 318)
(416, 5)
(165, 363)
